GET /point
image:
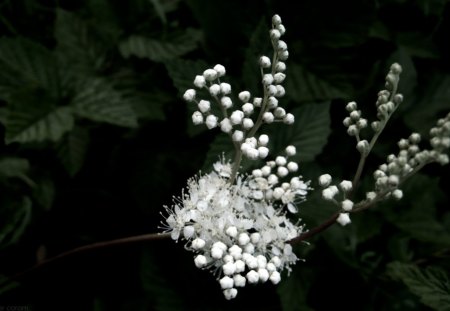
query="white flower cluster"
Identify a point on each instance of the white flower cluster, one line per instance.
(234, 223)
(389, 175)
(330, 192)
(238, 231)
(241, 123)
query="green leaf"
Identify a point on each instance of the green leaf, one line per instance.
(222, 145)
(183, 72)
(25, 64)
(72, 150)
(430, 104)
(15, 218)
(13, 167)
(6, 285)
(308, 134)
(99, 101)
(27, 123)
(430, 284)
(150, 106)
(293, 291)
(259, 44)
(304, 86)
(79, 47)
(160, 51)
(44, 193)
(157, 286)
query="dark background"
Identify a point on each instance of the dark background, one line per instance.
(97, 139)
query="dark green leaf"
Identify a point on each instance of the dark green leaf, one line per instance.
(430, 284)
(183, 72)
(304, 86)
(72, 150)
(27, 124)
(293, 291)
(98, 101)
(25, 64)
(157, 50)
(156, 286)
(308, 134)
(13, 167)
(13, 225)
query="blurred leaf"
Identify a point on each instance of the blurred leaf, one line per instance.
(150, 106)
(44, 193)
(222, 145)
(13, 167)
(431, 103)
(430, 284)
(156, 286)
(259, 45)
(15, 219)
(183, 72)
(293, 291)
(28, 123)
(98, 101)
(158, 6)
(418, 44)
(157, 50)
(72, 150)
(432, 7)
(6, 285)
(77, 44)
(26, 64)
(304, 86)
(418, 216)
(308, 134)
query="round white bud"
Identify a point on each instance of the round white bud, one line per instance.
(263, 152)
(397, 194)
(188, 232)
(343, 219)
(189, 95)
(214, 90)
(281, 29)
(275, 277)
(263, 140)
(236, 117)
(200, 261)
(244, 96)
(211, 121)
(325, 180)
(239, 280)
(279, 112)
(263, 275)
(280, 67)
(226, 102)
(199, 81)
(351, 106)
(275, 34)
(237, 136)
(271, 90)
(197, 118)
(226, 282)
(278, 193)
(279, 77)
(280, 91)
(346, 185)
(257, 101)
(268, 117)
(291, 150)
(267, 79)
(225, 88)
(232, 231)
(229, 268)
(226, 126)
(198, 243)
(230, 293)
(347, 205)
(220, 70)
(292, 167)
(248, 108)
(281, 45)
(283, 55)
(280, 160)
(282, 171)
(210, 74)
(289, 118)
(276, 20)
(272, 102)
(204, 106)
(247, 123)
(252, 277)
(272, 179)
(266, 170)
(243, 238)
(264, 62)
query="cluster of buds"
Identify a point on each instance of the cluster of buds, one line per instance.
(242, 122)
(330, 193)
(410, 157)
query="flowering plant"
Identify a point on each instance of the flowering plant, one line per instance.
(237, 224)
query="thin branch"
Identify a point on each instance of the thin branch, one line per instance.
(90, 247)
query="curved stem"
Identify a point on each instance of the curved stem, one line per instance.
(89, 247)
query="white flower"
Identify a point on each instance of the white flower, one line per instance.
(189, 95)
(343, 219)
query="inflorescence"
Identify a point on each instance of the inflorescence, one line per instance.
(236, 224)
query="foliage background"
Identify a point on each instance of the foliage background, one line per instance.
(97, 140)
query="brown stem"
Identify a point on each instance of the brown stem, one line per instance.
(323, 226)
(89, 247)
